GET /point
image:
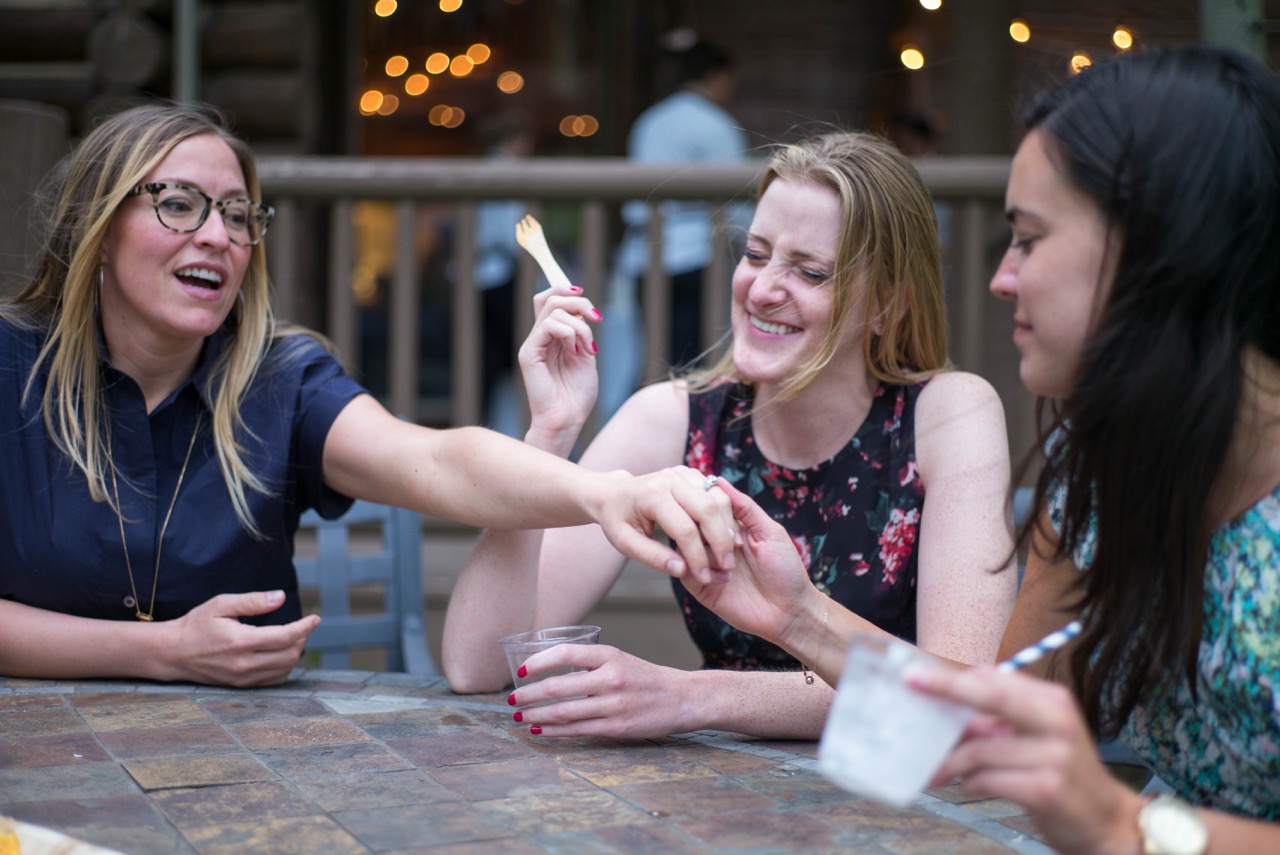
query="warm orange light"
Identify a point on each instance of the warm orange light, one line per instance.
(397, 66)
(1122, 38)
(438, 113)
(931, 5)
(450, 5)
(390, 104)
(1080, 61)
(479, 53)
(1019, 31)
(589, 126)
(566, 126)
(384, 8)
(510, 82)
(461, 65)
(455, 117)
(437, 63)
(912, 58)
(370, 101)
(416, 84)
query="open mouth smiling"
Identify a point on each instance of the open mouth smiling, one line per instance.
(200, 277)
(772, 328)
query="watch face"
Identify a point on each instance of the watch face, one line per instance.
(1171, 827)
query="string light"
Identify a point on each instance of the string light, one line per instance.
(416, 84)
(396, 66)
(461, 65)
(437, 63)
(1019, 31)
(384, 8)
(912, 57)
(1122, 38)
(510, 82)
(450, 5)
(1080, 61)
(931, 5)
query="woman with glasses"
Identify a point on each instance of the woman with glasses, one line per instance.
(161, 433)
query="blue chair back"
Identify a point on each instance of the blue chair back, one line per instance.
(397, 566)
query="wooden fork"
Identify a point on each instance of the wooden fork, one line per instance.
(529, 235)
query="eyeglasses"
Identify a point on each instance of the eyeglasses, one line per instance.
(184, 209)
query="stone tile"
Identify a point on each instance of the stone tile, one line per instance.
(356, 757)
(482, 781)
(42, 722)
(606, 768)
(724, 761)
(167, 773)
(31, 703)
(413, 825)
(556, 811)
(695, 797)
(187, 740)
(131, 810)
(133, 710)
(255, 707)
(761, 830)
(189, 808)
(507, 846)
(649, 839)
(794, 785)
(415, 722)
(306, 835)
(460, 747)
(57, 750)
(55, 783)
(296, 732)
(905, 831)
(361, 790)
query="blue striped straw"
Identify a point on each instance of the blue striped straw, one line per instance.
(1052, 641)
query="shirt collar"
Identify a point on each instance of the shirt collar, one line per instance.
(209, 355)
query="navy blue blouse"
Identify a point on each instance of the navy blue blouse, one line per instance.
(60, 550)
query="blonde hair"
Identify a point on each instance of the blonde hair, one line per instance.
(888, 240)
(62, 297)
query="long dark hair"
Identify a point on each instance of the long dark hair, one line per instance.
(1178, 147)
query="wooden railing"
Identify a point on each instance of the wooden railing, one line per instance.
(297, 186)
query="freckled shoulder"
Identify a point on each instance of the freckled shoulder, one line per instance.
(960, 422)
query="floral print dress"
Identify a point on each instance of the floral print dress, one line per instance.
(1221, 749)
(854, 518)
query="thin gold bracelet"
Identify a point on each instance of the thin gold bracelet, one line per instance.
(808, 672)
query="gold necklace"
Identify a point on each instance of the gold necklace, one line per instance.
(148, 615)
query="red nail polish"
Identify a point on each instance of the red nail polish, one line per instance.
(519, 716)
(523, 672)
(511, 699)
(599, 317)
(535, 729)
(593, 347)
(575, 289)
(575, 348)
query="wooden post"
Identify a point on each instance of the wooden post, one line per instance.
(32, 139)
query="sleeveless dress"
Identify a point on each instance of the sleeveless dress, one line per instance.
(1220, 748)
(855, 518)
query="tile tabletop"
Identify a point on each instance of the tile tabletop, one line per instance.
(353, 762)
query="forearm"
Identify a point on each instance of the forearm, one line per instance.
(494, 596)
(766, 704)
(1234, 835)
(49, 645)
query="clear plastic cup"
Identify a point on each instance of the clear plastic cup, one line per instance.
(883, 739)
(522, 645)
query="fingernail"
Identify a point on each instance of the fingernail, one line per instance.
(274, 597)
(511, 699)
(593, 347)
(575, 348)
(523, 672)
(596, 312)
(737, 539)
(519, 716)
(535, 730)
(574, 289)
(726, 561)
(674, 567)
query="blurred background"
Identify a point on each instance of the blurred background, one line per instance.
(377, 120)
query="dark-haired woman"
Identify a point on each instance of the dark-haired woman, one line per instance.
(1145, 273)
(160, 434)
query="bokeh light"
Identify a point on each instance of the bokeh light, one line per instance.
(416, 84)
(450, 5)
(396, 66)
(579, 126)
(912, 57)
(931, 5)
(1019, 31)
(389, 105)
(461, 65)
(384, 8)
(510, 82)
(1080, 61)
(444, 116)
(370, 101)
(1122, 38)
(437, 63)
(479, 53)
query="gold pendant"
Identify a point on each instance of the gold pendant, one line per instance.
(143, 617)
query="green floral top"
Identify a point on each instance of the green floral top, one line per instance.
(1222, 749)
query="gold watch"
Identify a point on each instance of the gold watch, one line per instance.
(1170, 826)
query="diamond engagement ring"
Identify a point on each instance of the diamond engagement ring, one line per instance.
(709, 481)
